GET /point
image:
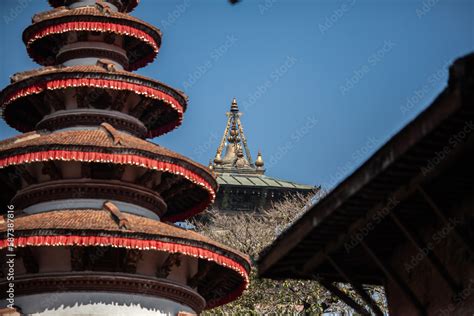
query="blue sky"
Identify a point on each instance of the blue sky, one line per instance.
(323, 84)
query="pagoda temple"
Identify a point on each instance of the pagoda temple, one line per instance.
(243, 185)
(93, 200)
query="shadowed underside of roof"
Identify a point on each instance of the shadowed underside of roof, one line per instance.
(405, 177)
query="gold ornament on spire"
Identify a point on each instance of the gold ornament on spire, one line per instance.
(234, 107)
(233, 154)
(259, 162)
(218, 159)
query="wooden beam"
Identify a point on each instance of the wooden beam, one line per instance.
(8, 180)
(430, 255)
(392, 275)
(184, 185)
(145, 178)
(53, 99)
(381, 209)
(80, 96)
(152, 116)
(79, 258)
(86, 170)
(343, 297)
(130, 260)
(50, 168)
(26, 175)
(167, 181)
(40, 106)
(209, 285)
(29, 261)
(398, 195)
(445, 106)
(204, 267)
(467, 243)
(118, 172)
(173, 259)
(356, 286)
(120, 100)
(141, 106)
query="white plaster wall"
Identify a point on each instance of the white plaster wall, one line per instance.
(92, 60)
(150, 261)
(70, 99)
(97, 303)
(89, 204)
(187, 268)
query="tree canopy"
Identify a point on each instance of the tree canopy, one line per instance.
(251, 232)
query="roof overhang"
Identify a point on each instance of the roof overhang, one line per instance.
(406, 176)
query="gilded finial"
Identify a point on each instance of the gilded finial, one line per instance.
(218, 159)
(234, 107)
(259, 162)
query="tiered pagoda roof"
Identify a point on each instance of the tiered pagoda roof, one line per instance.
(88, 189)
(152, 107)
(96, 228)
(51, 30)
(104, 144)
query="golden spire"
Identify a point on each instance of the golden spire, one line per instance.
(233, 151)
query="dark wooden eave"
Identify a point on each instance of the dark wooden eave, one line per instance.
(393, 178)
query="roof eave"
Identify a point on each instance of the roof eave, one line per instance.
(410, 135)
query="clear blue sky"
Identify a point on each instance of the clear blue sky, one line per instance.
(323, 84)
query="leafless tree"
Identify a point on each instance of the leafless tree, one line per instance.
(251, 232)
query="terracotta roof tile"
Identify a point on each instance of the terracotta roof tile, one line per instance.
(87, 227)
(98, 145)
(97, 138)
(101, 220)
(88, 69)
(129, 4)
(62, 12)
(40, 37)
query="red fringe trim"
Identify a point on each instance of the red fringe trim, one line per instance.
(142, 245)
(119, 159)
(231, 297)
(106, 84)
(165, 128)
(98, 26)
(189, 213)
(141, 63)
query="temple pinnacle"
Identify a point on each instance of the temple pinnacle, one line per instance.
(234, 107)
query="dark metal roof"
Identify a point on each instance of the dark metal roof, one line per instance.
(393, 179)
(255, 181)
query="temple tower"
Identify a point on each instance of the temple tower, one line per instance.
(237, 154)
(94, 201)
(243, 185)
